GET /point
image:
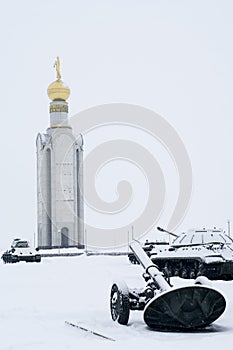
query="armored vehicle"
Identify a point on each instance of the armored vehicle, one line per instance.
(206, 252)
(21, 251)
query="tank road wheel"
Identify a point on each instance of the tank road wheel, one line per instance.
(13, 259)
(184, 273)
(119, 303)
(192, 274)
(38, 258)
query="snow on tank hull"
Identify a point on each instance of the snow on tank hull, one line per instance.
(20, 251)
(195, 253)
(9, 258)
(194, 267)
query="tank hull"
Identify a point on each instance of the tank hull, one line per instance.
(194, 267)
(9, 258)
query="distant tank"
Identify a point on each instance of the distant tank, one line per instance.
(205, 252)
(21, 251)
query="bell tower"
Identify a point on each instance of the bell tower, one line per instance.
(60, 210)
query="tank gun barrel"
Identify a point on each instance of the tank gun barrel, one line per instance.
(149, 267)
(170, 233)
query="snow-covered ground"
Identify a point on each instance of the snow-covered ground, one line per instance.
(37, 299)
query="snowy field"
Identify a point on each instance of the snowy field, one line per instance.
(37, 299)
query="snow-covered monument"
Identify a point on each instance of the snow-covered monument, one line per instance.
(59, 175)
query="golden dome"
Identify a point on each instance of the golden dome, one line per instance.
(58, 91)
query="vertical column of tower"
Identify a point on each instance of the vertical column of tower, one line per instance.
(79, 210)
(44, 194)
(48, 198)
(80, 195)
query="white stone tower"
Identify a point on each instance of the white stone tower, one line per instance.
(59, 175)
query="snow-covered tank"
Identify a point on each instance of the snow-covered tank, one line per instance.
(206, 252)
(21, 251)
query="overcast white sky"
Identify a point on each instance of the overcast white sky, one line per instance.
(174, 57)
